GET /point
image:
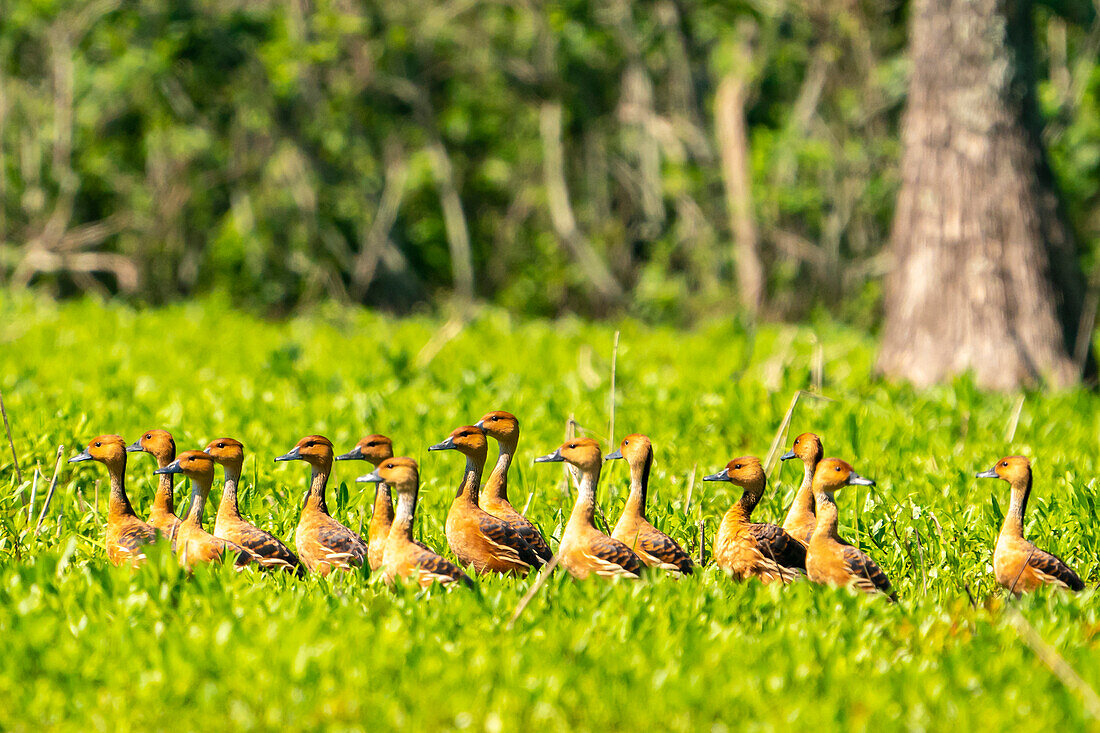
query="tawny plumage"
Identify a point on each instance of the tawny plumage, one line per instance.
(584, 550)
(126, 533)
(503, 427)
(322, 542)
(747, 549)
(160, 445)
(654, 547)
(194, 545)
(801, 519)
(374, 449)
(1018, 564)
(829, 559)
(267, 550)
(404, 558)
(477, 538)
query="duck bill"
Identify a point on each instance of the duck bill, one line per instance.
(448, 444)
(355, 454)
(723, 475)
(855, 479)
(173, 467)
(480, 424)
(293, 455)
(787, 456)
(991, 473)
(613, 456)
(554, 457)
(135, 447)
(370, 478)
(85, 456)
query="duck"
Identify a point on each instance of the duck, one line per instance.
(160, 444)
(1019, 565)
(829, 559)
(403, 557)
(801, 520)
(585, 551)
(503, 427)
(194, 545)
(127, 534)
(374, 449)
(747, 549)
(477, 538)
(654, 547)
(267, 550)
(322, 542)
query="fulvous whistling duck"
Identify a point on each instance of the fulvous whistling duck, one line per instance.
(322, 542)
(476, 537)
(403, 557)
(194, 545)
(266, 549)
(801, 520)
(160, 445)
(584, 550)
(829, 559)
(1018, 564)
(374, 449)
(747, 549)
(503, 427)
(653, 546)
(125, 532)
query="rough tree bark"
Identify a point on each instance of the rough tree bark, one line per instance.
(985, 274)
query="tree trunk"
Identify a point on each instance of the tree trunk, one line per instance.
(985, 274)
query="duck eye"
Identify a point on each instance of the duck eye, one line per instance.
(1004, 463)
(837, 469)
(736, 466)
(98, 444)
(494, 418)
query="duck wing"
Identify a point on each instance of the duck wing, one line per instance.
(865, 572)
(439, 568)
(501, 534)
(776, 545)
(665, 549)
(267, 550)
(1053, 570)
(338, 545)
(609, 557)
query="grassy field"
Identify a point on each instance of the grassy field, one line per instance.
(87, 646)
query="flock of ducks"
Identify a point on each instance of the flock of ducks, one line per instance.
(486, 534)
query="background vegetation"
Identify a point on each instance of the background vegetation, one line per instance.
(548, 157)
(88, 646)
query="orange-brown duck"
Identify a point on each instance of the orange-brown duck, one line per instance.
(194, 545)
(747, 549)
(801, 520)
(126, 533)
(503, 427)
(476, 537)
(267, 550)
(654, 547)
(584, 550)
(322, 542)
(374, 449)
(829, 559)
(405, 558)
(160, 445)
(1019, 565)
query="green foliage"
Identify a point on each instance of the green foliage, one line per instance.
(89, 646)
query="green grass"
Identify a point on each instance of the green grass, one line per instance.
(87, 646)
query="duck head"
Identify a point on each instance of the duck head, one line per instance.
(500, 426)
(833, 473)
(1013, 469)
(635, 449)
(316, 450)
(584, 453)
(400, 474)
(373, 449)
(468, 440)
(158, 443)
(110, 450)
(744, 471)
(194, 464)
(807, 448)
(226, 452)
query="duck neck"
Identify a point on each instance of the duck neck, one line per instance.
(639, 486)
(406, 511)
(316, 498)
(584, 511)
(229, 507)
(749, 498)
(471, 480)
(1014, 519)
(804, 499)
(163, 501)
(826, 515)
(119, 504)
(200, 489)
(496, 487)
